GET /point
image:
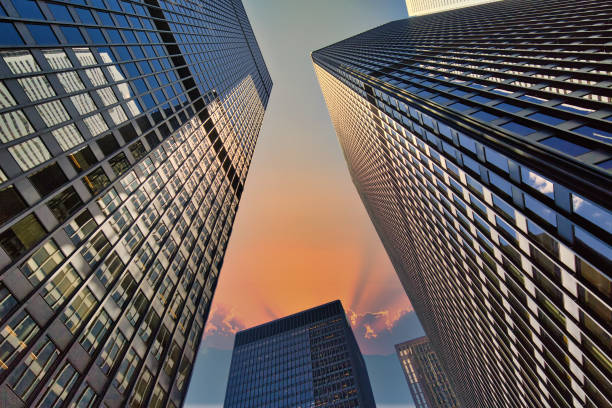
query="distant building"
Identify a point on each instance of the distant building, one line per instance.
(426, 379)
(309, 359)
(423, 7)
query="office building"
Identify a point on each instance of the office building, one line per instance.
(425, 376)
(422, 7)
(309, 359)
(479, 141)
(126, 136)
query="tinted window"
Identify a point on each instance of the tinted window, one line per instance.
(11, 203)
(73, 35)
(564, 146)
(10, 36)
(108, 144)
(59, 12)
(64, 204)
(28, 9)
(22, 236)
(518, 128)
(42, 34)
(83, 159)
(48, 179)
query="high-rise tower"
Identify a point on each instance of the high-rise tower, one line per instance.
(309, 359)
(425, 376)
(126, 129)
(479, 141)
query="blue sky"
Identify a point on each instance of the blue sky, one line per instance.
(302, 236)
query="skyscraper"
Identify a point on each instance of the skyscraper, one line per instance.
(479, 142)
(426, 379)
(309, 359)
(126, 129)
(421, 7)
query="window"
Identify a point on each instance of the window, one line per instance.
(183, 373)
(161, 342)
(15, 337)
(14, 125)
(121, 220)
(125, 290)
(126, 370)
(42, 34)
(564, 146)
(108, 144)
(60, 387)
(109, 202)
(82, 160)
(95, 249)
(132, 239)
(149, 326)
(80, 227)
(59, 12)
(136, 309)
(109, 355)
(7, 301)
(540, 210)
(65, 203)
(594, 213)
(25, 377)
(119, 164)
(48, 179)
(537, 182)
(110, 269)
(87, 398)
(79, 309)
(42, 262)
(143, 256)
(96, 181)
(52, 113)
(141, 388)
(92, 337)
(157, 398)
(518, 128)
(172, 359)
(61, 286)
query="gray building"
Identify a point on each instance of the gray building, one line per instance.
(309, 359)
(425, 376)
(479, 141)
(125, 140)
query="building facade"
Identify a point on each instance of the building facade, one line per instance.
(425, 376)
(422, 7)
(309, 359)
(125, 139)
(479, 141)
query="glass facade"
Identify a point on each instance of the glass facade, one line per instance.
(309, 359)
(426, 379)
(125, 140)
(478, 140)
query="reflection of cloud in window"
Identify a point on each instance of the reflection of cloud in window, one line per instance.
(541, 184)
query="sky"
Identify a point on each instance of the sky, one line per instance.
(302, 236)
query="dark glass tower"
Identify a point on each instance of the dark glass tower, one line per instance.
(479, 141)
(126, 133)
(309, 359)
(426, 379)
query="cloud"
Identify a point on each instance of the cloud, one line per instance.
(222, 326)
(377, 332)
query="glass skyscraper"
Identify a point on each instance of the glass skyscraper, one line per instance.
(309, 359)
(126, 133)
(479, 141)
(425, 376)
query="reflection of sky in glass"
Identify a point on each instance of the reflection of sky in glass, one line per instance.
(538, 182)
(592, 212)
